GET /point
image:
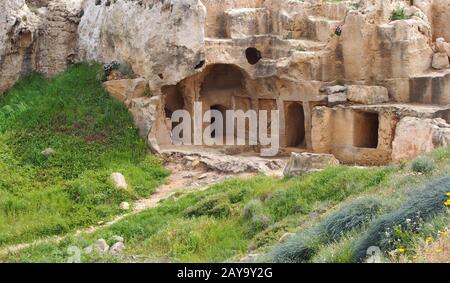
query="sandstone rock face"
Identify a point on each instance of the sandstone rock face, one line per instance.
(440, 61)
(415, 136)
(162, 40)
(335, 89)
(297, 57)
(226, 163)
(302, 163)
(41, 39)
(406, 59)
(337, 98)
(127, 89)
(441, 17)
(245, 22)
(57, 44)
(379, 51)
(149, 118)
(18, 31)
(367, 94)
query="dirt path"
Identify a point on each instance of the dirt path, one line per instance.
(191, 171)
(181, 180)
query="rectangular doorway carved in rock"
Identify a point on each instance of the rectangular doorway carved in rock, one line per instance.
(366, 127)
(294, 124)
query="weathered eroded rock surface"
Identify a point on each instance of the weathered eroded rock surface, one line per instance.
(37, 36)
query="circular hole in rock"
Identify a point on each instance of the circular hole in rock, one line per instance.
(253, 55)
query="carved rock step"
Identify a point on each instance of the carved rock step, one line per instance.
(223, 163)
(244, 22)
(320, 28)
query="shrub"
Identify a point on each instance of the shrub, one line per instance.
(258, 223)
(216, 206)
(252, 208)
(349, 217)
(236, 196)
(108, 68)
(123, 67)
(398, 13)
(297, 249)
(301, 247)
(422, 165)
(333, 184)
(423, 205)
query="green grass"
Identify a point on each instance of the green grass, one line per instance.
(169, 233)
(190, 227)
(303, 246)
(393, 229)
(399, 13)
(93, 136)
(422, 165)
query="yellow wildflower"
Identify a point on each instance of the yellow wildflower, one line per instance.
(401, 250)
(447, 203)
(448, 194)
(444, 234)
(428, 240)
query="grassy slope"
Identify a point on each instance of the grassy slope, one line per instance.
(222, 229)
(92, 135)
(167, 233)
(232, 218)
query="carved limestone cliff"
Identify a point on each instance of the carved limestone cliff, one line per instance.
(342, 74)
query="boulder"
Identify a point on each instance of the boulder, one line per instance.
(302, 163)
(367, 94)
(125, 31)
(126, 89)
(47, 153)
(441, 18)
(101, 246)
(415, 136)
(119, 181)
(440, 61)
(125, 206)
(118, 239)
(117, 249)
